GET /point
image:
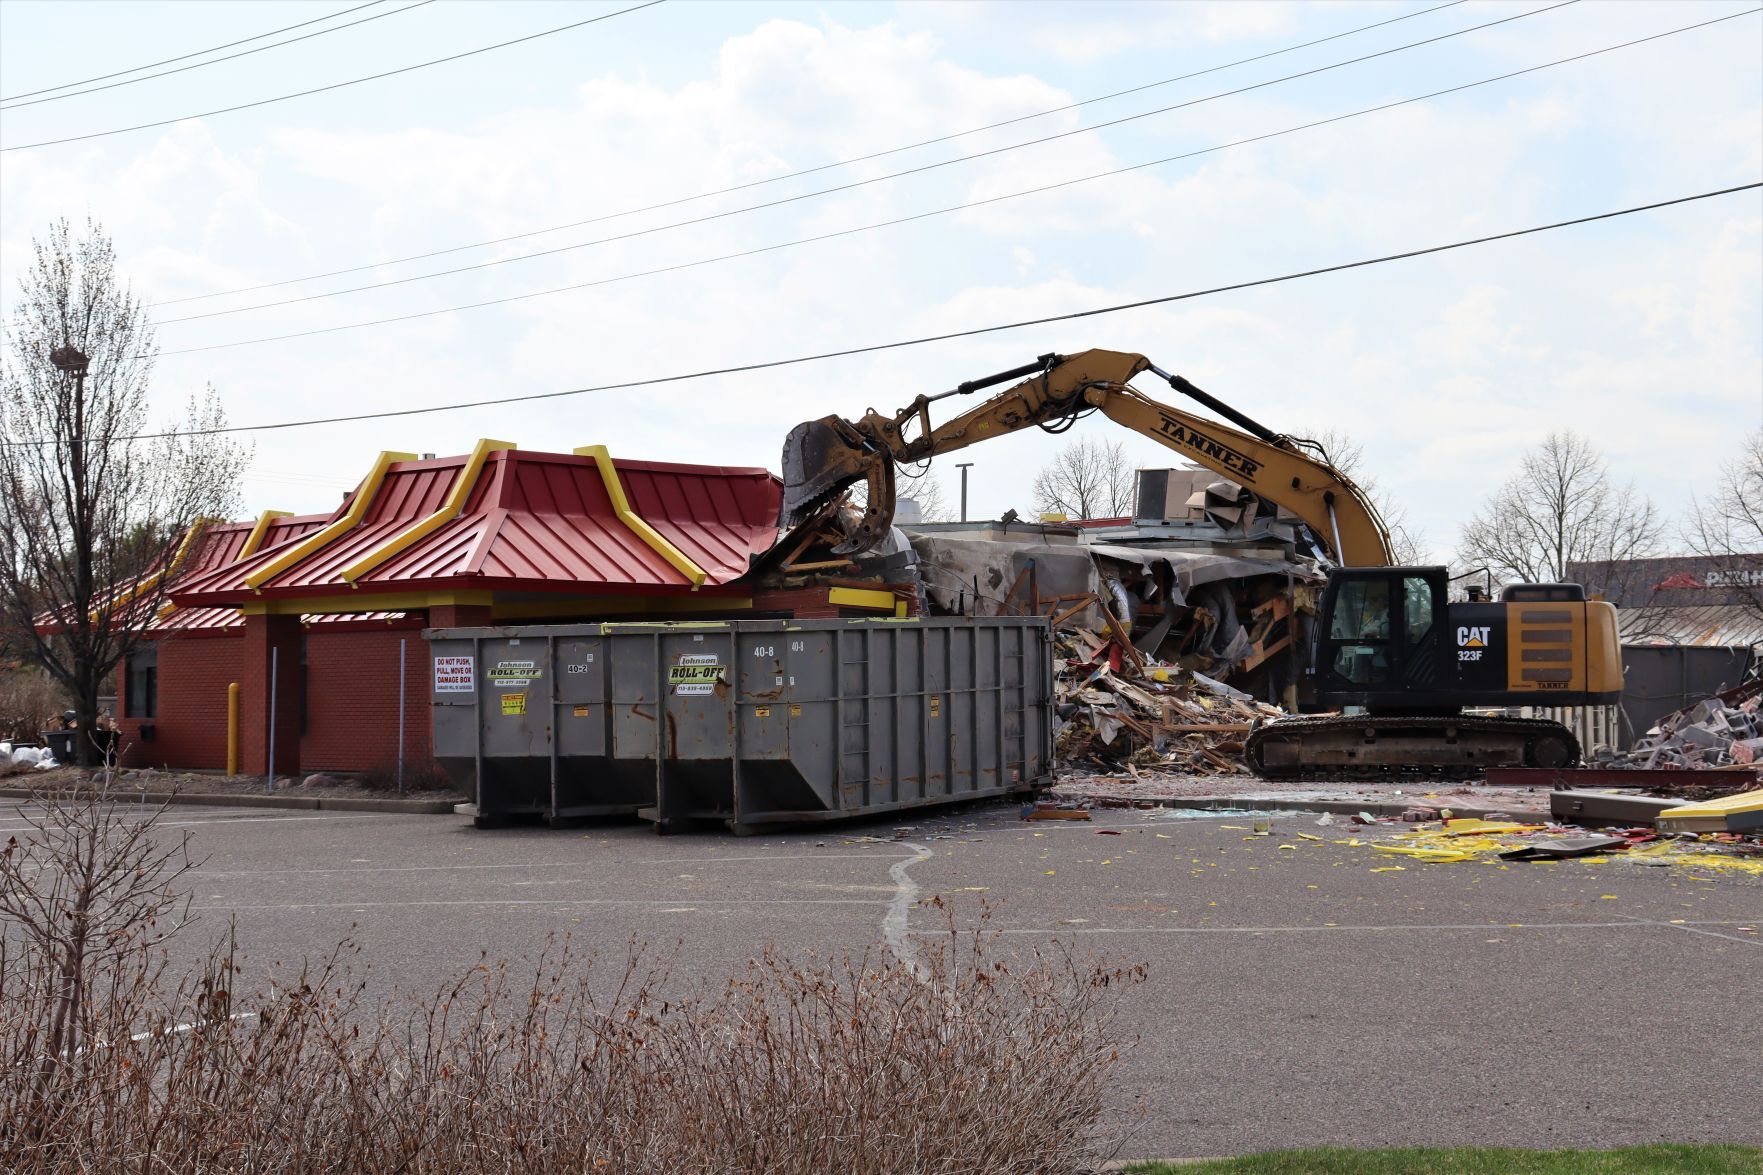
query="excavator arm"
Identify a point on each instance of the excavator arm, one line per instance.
(822, 458)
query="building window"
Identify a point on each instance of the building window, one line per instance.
(142, 697)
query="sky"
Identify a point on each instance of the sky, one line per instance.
(1645, 333)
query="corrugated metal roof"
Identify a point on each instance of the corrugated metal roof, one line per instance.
(719, 517)
(220, 563)
(533, 520)
(1725, 625)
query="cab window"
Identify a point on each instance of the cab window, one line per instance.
(1360, 630)
(1362, 611)
(1417, 609)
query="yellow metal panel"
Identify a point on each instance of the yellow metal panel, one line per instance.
(1546, 624)
(255, 538)
(1603, 649)
(448, 511)
(370, 485)
(861, 598)
(1734, 813)
(621, 506)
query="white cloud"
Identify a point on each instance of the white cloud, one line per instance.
(1643, 333)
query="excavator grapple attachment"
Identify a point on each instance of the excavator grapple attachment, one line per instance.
(821, 459)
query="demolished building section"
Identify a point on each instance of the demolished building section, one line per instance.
(1208, 577)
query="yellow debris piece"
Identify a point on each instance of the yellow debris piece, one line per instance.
(1713, 815)
(1658, 849)
(1308, 836)
(1750, 865)
(1434, 856)
(1389, 869)
(1291, 848)
(1472, 826)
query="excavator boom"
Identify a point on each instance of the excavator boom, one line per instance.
(1381, 643)
(824, 457)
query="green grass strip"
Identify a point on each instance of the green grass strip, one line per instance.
(1711, 1159)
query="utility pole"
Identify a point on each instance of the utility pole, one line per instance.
(964, 466)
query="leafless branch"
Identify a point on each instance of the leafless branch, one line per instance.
(87, 514)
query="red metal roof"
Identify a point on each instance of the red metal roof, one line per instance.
(533, 521)
(718, 517)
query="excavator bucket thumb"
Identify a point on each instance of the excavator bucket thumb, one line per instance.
(821, 459)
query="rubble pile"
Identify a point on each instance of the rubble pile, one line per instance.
(1721, 731)
(1119, 709)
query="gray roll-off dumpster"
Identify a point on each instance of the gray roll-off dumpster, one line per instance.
(749, 722)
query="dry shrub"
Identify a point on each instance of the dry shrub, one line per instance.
(29, 699)
(958, 1061)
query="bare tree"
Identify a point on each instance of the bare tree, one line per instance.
(923, 488)
(1088, 479)
(1559, 508)
(93, 508)
(1727, 528)
(927, 490)
(1408, 545)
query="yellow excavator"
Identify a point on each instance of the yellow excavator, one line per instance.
(1387, 642)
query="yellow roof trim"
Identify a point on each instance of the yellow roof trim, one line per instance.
(621, 506)
(448, 511)
(148, 582)
(318, 539)
(255, 538)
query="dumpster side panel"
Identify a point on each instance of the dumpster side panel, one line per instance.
(453, 709)
(751, 722)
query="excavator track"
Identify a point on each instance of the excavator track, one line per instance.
(1333, 746)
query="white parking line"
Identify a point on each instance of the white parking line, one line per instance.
(1692, 929)
(1635, 924)
(616, 863)
(242, 820)
(222, 906)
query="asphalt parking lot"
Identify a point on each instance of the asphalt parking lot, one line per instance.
(1295, 996)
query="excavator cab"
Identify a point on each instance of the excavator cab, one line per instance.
(1388, 640)
(1379, 640)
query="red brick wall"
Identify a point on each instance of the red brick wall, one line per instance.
(352, 702)
(190, 728)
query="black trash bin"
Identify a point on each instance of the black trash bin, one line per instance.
(63, 743)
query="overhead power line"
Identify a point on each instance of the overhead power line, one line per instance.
(991, 126)
(845, 187)
(898, 344)
(337, 85)
(216, 60)
(198, 53)
(762, 249)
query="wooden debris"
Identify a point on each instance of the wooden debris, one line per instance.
(1118, 712)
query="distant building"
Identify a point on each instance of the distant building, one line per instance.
(1690, 626)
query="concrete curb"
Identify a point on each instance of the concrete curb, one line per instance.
(1346, 807)
(303, 803)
